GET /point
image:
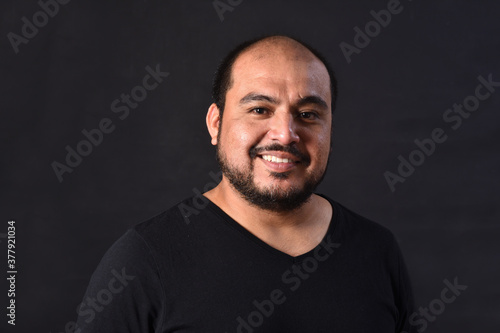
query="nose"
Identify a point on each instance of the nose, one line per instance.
(283, 128)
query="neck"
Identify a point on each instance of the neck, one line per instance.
(294, 232)
(230, 201)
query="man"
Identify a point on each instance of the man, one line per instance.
(265, 254)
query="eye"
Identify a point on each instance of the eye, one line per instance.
(259, 110)
(308, 115)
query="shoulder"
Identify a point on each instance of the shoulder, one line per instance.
(176, 225)
(354, 227)
(138, 247)
(173, 220)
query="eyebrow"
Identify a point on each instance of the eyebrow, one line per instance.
(313, 99)
(252, 97)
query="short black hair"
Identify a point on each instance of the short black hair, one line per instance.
(222, 79)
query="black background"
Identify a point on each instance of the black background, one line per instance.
(394, 91)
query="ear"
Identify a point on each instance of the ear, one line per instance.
(213, 121)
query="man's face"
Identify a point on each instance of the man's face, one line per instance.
(274, 141)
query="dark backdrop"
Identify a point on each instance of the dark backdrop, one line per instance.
(395, 89)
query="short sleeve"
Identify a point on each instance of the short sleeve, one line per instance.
(125, 292)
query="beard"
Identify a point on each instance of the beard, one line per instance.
(273, 197)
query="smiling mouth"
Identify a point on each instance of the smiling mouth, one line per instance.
(279, 163)
(275, 159)
(280, 158)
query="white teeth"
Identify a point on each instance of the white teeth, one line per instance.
(276, 159)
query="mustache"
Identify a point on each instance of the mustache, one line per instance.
(292, 149)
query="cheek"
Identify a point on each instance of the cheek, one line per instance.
(240, 141)
(245, 135)
(319, 144)
(326, 140)
(237, 139)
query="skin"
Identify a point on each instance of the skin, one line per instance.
(269, 102)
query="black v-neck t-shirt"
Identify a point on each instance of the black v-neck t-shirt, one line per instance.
(194, 269)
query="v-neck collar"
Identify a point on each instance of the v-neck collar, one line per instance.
(256, 240)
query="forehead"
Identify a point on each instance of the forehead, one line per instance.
(287, 67)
